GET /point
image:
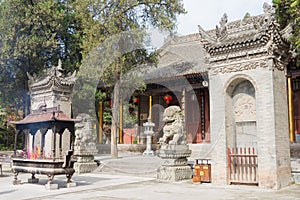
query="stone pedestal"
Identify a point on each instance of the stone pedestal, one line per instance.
(85, 160)
(16, 182)
(148, 151)
(174, 163)
(71, 184)
(84, 145)
(51, 186)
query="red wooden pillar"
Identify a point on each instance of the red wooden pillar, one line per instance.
(207, 114)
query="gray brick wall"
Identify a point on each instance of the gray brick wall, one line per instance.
(272, 124)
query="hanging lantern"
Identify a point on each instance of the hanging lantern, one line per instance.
(136, 100)
(168, 98)
(110, 103)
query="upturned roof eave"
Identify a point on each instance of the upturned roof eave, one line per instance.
(43, 118)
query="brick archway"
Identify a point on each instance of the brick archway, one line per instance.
(241, 135)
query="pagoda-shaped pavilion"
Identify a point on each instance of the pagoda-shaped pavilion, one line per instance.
(48, 131)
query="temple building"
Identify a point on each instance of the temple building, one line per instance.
(235, 85)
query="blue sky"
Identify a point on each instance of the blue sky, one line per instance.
(208, 13)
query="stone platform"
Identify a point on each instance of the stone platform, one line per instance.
(174, 165)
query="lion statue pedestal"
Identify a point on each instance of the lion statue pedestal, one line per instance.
(84, 145)
(173, 148)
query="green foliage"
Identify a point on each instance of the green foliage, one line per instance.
(100, 96)
(247, 15)
(3, 114)
(7, 132)
(288, 12)
(112, 18)
(130, 118)
(34, 34)
(107, 35)
(114, 42)
(107, 117)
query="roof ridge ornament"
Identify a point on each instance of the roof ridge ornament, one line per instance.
(59, 71)
(268, 9)
(269, 12)
(221, 32)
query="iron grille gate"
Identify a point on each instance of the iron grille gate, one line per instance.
(242, 166)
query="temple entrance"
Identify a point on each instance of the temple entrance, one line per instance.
(242, 138)
(197, 116)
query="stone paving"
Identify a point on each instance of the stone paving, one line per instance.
(104, 186)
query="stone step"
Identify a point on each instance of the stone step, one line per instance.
(295, 165)
(295, 150)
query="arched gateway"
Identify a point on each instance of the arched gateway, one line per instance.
(241, 116)
(241, 136)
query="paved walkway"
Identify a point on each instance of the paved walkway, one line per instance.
(104, 186)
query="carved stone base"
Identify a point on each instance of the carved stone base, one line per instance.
(85, 160)
(174, 151)
(85, 167)
(174, 163)
(174, 173)
(148, 153)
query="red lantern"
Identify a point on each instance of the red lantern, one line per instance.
(136, 100)
(168, 98)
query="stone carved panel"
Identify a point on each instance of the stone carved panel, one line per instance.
(239, 67)
(174, 173)
(244, 109)
(246, 134)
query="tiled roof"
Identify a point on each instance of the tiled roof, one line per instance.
(44, 117)
(178, 57)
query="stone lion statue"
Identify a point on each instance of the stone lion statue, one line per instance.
(173, 132)
(84, 131)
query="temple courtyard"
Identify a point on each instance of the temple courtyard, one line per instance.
(113, 180)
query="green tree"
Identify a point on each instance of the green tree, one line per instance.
(34, 35)
(119, 24)
(288, 12)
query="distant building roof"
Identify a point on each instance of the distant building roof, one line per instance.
(179, 57)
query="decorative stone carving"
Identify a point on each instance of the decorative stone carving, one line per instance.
(244, 109)
(222, 31)
(173, 150)
(174, 163)
(247, 39)
(268, 9)
(173, 130)
(84, 146)
(239, 67)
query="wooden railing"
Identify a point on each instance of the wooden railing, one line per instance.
(242, 165)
